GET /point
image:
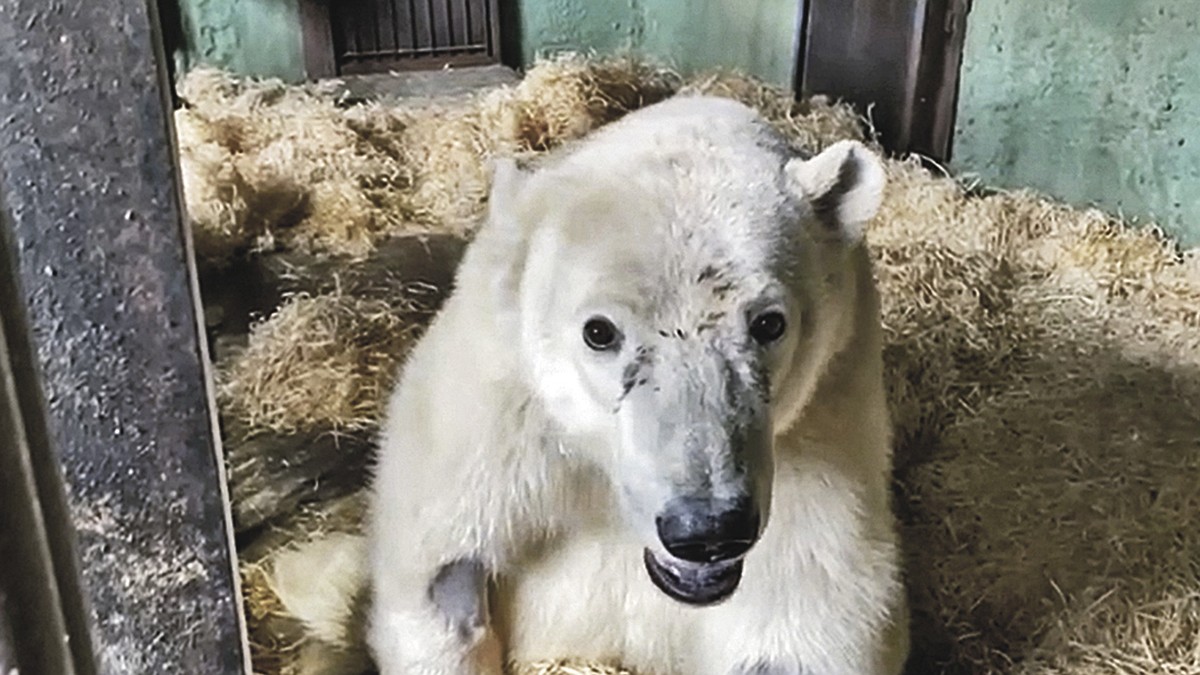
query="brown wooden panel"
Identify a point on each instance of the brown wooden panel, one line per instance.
(936, 100)
(897, 59)
(862, 51)
(317, 35)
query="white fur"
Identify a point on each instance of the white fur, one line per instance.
(318, 580)
(502, 442)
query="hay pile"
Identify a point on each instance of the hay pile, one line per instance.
(323, 361)
(1043, 362)
(268, 165)
(1045, 374)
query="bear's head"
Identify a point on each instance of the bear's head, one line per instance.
(681, 278)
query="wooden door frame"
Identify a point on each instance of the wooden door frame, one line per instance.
(898, 58)
(316, 31)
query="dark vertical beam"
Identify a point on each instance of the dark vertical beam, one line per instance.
(439, 16)
(8, 648)
(89, 182)
(861, 51)
(366, 39)
(386, 25)
(897, 58)
(459, 23)
(422, 14)
(43, 623)
(503, 43)
(936, 100)
(345, 27)
(406, 25)
(317, 35)
(471, 17)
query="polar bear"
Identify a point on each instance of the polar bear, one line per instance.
(648, 426)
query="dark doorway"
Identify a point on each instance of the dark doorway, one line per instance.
(897, 59)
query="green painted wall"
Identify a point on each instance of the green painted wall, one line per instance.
(263, 37)
(1092, 101)
(250, 37)
(755, 36)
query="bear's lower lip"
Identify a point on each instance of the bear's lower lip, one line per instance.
(694, 583)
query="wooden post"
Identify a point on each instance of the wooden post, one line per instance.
(898, 58)
(319, 58)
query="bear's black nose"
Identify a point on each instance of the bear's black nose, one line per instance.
(708, 530)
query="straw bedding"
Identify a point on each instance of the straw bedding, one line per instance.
(267, 165)
(1043, 361)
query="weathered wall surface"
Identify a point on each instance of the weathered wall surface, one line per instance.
(262, 37)
(1092, 101)
(755, 36)
(251, 37)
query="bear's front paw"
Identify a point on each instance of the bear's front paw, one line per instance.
(417, 645)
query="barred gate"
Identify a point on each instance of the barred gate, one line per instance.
(381, 35)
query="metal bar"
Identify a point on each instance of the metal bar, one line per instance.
(90, 181)
(364, 24)
(467, 18)
(391, 23)
(800, 48)
(451, 38)
(412, 21)
(420, 63)
(433, 41)
(349, 30)
(400, 53)
(378, 35)
(406, 22)
(422, 20)
(493, 30)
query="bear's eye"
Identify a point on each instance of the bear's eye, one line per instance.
(767, 327)
(601, 335)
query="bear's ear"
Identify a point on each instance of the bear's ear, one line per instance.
(843, 185)
(507, 181)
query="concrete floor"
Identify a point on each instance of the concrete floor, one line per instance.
(424, 84)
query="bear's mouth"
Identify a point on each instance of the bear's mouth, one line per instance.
(691, 583)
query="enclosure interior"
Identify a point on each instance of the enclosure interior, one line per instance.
(1041, 359)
